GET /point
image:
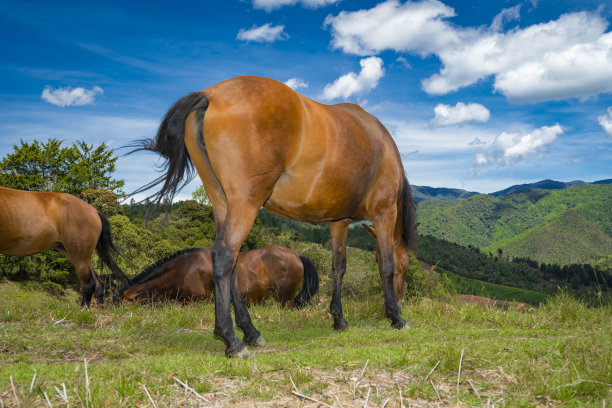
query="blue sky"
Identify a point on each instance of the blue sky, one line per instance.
(478, 94)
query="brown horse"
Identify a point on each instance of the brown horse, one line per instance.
(255, 142)
(188, 274)
(33, 222)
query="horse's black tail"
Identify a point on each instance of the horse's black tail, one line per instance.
(409, 217)
(105, 246)
(170, 143)
(310, 285)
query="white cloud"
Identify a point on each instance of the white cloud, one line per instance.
(270, 5)
(413, 26)
(264, 33)
(451, 115)
(70, 96)
(507, 14)
(510, 148)
(563, 58)
(296, 83)
(350, 84)
(606, 122)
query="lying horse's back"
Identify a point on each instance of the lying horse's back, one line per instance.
(287, 132)
(186, 274)
(272, 269)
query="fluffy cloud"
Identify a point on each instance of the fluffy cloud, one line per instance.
(451, 115)
(70, 96)
(509, 148)
(296, 83)
(264, 33)
(563, 58)
(270, 5)
(350, 84)
(606, 122)
(413, 26)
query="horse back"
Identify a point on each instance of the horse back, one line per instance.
(272, 269)
(31, 222)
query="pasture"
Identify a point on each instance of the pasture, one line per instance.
(53, 353)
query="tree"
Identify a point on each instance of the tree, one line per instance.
(102, 200)
(92, 169)
(48, 166)
(35, 166)
(200, 196)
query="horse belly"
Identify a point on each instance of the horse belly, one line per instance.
(307, 199)
(25, 236)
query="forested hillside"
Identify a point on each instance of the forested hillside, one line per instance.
(542, 224)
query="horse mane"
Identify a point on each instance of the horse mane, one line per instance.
(154, 270)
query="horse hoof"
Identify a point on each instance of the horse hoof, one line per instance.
(340, 324)
(259, 342)
(242, 353)
(398, 323)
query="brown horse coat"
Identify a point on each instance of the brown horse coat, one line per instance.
(33, 222)
(255, 142)
(188, 274)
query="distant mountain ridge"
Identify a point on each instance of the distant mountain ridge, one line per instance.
(424, 193)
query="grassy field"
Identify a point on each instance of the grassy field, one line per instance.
(52, 353)
(495, 291)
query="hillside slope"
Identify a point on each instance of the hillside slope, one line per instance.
(485, 221)
(571, 238)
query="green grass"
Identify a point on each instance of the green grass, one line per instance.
(554, 355)
(494, 291)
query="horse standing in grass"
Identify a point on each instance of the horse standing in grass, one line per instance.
(33, 222)
(255, 142)
(188, 274)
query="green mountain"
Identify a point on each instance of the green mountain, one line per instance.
(575, 222)
(422, 193)
(571, 238)
(542, 185)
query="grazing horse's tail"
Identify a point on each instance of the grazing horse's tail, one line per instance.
(105, 246)
(170, 143)
(409, 217)
(310, 285)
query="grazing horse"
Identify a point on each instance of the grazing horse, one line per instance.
(255, 142)
(33, 222)
(188, 274)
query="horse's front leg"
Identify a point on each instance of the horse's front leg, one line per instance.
(338, 232)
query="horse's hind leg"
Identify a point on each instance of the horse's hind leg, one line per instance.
(384, 240)
(338, 232)
(99, 288)
(252, 336)
(90, 282)
(224, 252)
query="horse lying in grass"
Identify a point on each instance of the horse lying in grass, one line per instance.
(188, 274)
(33, 222)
